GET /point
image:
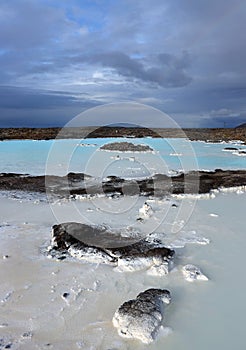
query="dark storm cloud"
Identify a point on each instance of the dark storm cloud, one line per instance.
(187, 57)
(169, 70)
(20, 98)
(30, 107)
(36, 26)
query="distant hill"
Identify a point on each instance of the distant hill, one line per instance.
(241, 126)
(123, 125)
(122, 131)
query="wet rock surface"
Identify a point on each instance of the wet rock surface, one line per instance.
(73, 184)
(42, 183)
(97, 245)
(141, 318)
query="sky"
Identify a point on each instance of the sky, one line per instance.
(186, 58)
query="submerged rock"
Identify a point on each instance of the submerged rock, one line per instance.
(97, 245)
(141, 318)
(193, 273)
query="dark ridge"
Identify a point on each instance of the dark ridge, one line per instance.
(241, 126)
(124, 125)
(122, 131)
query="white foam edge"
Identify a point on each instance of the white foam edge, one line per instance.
(212, 194)
(237, 153)
(203, 196)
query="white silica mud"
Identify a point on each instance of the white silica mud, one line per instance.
(66, 303)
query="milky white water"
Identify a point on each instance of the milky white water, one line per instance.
(209, 233)
(202, 315)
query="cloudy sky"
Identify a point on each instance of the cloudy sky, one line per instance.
(184, 57)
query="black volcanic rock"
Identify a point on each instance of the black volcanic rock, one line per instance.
(230, 149)
(142, 317)
(66, 239)
(159, 185)
(96, 244)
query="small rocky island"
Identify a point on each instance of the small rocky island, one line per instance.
(126, 147)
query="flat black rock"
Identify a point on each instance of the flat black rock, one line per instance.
(95, 244)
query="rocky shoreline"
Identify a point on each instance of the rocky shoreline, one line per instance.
(79, 184)
(202, 134)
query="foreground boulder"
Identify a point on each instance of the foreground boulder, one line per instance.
(141, 318)
(97, 245)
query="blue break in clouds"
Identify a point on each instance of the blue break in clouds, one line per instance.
(92, 14)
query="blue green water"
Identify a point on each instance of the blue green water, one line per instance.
(61, 156)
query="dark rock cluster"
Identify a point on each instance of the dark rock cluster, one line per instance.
(159, 185)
